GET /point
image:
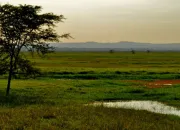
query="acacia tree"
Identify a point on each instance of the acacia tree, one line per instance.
(24, 26)
(3, 63)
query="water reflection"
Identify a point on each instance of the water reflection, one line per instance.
(152, 106)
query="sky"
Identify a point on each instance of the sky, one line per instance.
(153, 21)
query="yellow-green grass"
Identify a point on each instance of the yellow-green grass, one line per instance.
(73, 117)
(59, 104)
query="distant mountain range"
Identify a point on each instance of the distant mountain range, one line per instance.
(118, 46)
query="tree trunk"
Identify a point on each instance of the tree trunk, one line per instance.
(9, 76)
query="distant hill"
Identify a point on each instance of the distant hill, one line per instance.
(118, 46)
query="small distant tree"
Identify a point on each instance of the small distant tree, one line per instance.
(24, 26)
(111, 51)
(133, 51)
(148, 51)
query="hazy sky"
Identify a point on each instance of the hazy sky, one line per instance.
(153, 21)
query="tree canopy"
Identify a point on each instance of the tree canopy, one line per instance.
(24, 26)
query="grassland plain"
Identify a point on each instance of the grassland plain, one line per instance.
(55, 99)
(103, 65)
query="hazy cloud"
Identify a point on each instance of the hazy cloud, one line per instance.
(115, 20)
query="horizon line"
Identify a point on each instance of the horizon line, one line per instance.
(124, 42)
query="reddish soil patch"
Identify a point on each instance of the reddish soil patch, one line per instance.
(157, 83)
(162, 83)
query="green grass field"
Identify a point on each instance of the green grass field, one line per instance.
(104, 65)
(55, 100)
(155, 61)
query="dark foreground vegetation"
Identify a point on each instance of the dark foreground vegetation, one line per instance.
(56, 98)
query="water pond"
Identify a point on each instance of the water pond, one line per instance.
(152, 106)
